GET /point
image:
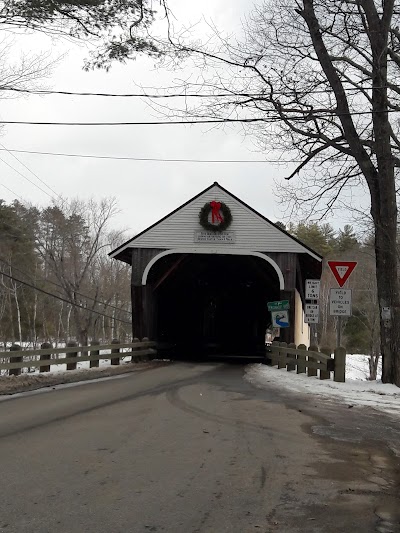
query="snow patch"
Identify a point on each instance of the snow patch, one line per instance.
(355, 391)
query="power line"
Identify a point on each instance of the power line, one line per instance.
(62, 299)
(44, 92)
(27, 179)
(160, 159)
(47, 92)
(157, 159)
(60, 286)
(29, 170)
(303, 115)
(155, 123)
(12, 192)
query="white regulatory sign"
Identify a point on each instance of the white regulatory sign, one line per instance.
(312, 289)
(311, 314)
(340, 302)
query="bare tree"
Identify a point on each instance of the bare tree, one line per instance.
(70, 241)
(317, 81)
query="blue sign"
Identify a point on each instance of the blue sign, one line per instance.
(280, 319)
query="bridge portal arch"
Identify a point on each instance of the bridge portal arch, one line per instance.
(262, 256)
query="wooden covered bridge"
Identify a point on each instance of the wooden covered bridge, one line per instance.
(202, 277)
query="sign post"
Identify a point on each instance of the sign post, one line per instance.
(311, 311)
(340, 301)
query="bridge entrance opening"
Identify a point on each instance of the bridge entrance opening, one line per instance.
(211, 304)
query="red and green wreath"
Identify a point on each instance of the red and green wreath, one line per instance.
(215, 216)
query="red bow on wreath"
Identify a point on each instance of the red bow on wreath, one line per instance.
(215, 212)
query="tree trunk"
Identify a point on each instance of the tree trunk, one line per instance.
(34, 332)
(81, 329)
(373, 361)
(69, 323)
(18, 314)
(388, 295)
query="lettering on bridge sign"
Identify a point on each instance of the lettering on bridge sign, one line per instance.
(340, 302)
(281, 305)
(311, 314)
(312, 289)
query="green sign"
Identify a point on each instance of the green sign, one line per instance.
(283, 305)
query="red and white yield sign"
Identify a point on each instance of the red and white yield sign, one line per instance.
(342, 270)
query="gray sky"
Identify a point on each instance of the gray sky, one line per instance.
(146, 191)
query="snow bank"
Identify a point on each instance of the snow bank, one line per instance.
(356, 391)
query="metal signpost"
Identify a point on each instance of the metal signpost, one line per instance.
(340, 299)
(311, 312)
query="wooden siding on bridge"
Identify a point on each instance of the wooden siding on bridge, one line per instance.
(250, 231)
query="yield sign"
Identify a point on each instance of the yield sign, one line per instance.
(342, 270)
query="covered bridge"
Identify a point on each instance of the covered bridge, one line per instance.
(202, 277)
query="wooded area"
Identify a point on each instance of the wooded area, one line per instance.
(57, 282)
(360, 332)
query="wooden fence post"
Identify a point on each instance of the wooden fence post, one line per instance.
(115, 360)
(340, 364)
(94, 364)
(312, 371)
(325, 374)
(291, 366)
(18, 359)
(135, 354)
(282, 355)
(274, 352)
(71, 366)
(145, 357)
(301, 359)
(45, 346)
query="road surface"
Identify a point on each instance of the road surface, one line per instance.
(191, 448)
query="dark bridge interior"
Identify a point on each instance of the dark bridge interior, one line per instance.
(206, 305)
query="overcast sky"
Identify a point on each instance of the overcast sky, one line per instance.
(145, 191)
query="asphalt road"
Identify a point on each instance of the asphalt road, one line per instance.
(190, 448)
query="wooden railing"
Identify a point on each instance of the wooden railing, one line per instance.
(309, 361)
(16, 359)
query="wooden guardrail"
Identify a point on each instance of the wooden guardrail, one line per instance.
(16, 359)
(309, 361)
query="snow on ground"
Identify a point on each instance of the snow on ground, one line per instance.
(357, 390)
